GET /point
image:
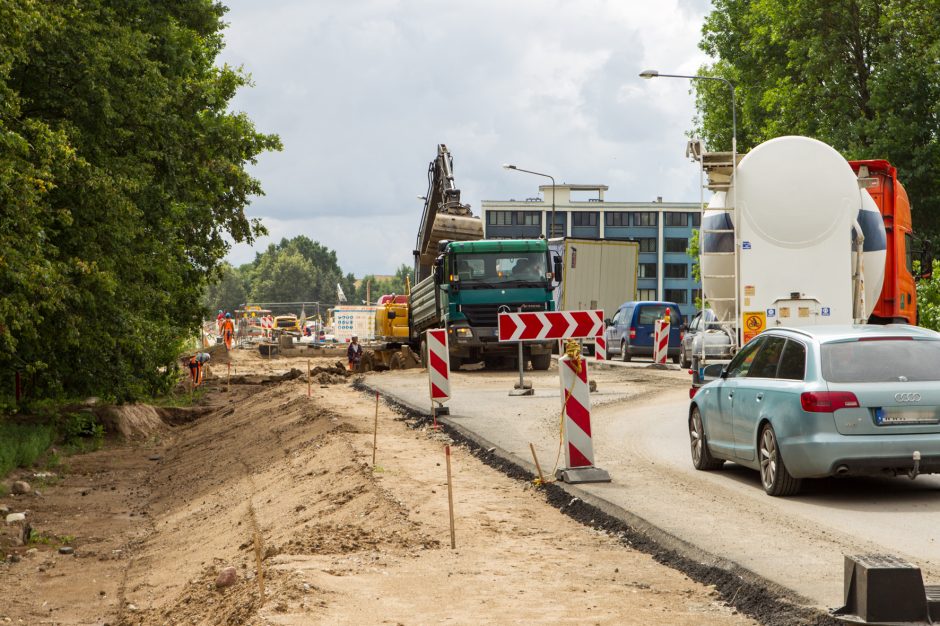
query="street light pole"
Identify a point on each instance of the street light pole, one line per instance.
(647, 74)
(551, 230)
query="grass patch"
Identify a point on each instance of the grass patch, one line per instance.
(21, 444)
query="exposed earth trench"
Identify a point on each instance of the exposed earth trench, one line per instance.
(280, 487)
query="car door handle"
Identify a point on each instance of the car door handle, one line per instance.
(760, 397)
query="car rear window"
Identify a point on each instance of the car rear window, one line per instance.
(652, 312)
(887, 360)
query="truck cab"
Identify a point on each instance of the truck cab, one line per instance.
(472, 282)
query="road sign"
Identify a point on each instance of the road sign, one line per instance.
(754, 323)
(438, 365)
(550, 325)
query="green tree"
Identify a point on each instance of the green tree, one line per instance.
(928, 297)
(861, 75)
(228, 291)
(122, 172)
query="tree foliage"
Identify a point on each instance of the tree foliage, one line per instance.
(122, 171)
(294, 270)
(861, 75)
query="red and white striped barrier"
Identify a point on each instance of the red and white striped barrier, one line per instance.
(661, 341)
(438, 365)
(600, 348)
(576, 403)
(538, 326)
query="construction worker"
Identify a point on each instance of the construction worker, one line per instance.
(218, 321)
(196, 362)
(354, 354)
(228, 331)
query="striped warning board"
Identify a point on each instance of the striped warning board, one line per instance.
(438, 365)
(661, 341)
(550, 325)
(600, 348)
(575, 394)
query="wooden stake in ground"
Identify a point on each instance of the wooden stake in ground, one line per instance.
(309, 393)
(450, 499)
(375, 429)
(537, 466)
(228, 382)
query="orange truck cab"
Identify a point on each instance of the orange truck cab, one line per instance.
(898, 300)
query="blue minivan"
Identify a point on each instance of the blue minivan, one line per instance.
(630, 332)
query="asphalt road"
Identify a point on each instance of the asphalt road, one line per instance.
(640, 437)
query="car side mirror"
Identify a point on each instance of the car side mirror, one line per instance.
(608, 322)
(713, 372)
(438, 274)
(684, 327)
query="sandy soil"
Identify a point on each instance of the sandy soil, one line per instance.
(281, 487)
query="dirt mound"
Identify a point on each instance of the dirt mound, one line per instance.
(131, 421)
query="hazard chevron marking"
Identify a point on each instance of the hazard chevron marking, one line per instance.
(540, 326)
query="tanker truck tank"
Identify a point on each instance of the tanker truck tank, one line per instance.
(874, 250)
(797, 203)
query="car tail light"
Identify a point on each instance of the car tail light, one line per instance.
(828, 401)
(692, 392)
(681, 336)
(633, 333)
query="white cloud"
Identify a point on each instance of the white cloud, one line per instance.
(361, 92)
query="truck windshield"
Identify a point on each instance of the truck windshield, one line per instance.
(481, 269)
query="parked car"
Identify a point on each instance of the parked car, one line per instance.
(630, 332)
(823, 401)
(704, 328)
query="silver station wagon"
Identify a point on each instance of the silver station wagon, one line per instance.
(823, 401)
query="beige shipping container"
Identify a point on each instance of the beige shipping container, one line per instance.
(598, 274)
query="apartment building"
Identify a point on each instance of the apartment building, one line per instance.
(661, 228)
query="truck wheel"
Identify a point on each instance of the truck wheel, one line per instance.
(624, 353)
(541, 361)
(455, 363)
(675, 359)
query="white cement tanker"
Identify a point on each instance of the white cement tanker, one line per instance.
(799, 209)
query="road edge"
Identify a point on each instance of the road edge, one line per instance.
(753, 595)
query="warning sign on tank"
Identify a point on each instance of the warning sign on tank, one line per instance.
(754, 323)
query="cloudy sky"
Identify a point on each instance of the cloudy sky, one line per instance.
(362, 91)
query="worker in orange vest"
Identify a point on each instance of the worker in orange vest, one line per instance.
(228, 331)
(195, 367)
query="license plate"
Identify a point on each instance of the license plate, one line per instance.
(889, 416)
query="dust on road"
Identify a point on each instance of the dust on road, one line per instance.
(267, 475)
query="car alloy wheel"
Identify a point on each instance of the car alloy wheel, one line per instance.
(701, 457)
(774, 475)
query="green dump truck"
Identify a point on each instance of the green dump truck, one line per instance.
(471, 282)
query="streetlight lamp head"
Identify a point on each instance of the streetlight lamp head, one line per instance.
(647, 74)
(507, 166)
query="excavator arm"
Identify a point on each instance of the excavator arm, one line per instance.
(444, 217)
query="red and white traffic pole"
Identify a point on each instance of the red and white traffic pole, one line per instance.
(438, 371)
(576, 424)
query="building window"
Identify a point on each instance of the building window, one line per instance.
(675, 219)
(616, 218)
(647, 270)
(646, 294)
(499, 218)
(676, 295)
(583, 218)
(647, 244)
(676, 244)
(560, 226)
(696, 220)
(646, 218)
(528, 218)
(676, 270)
